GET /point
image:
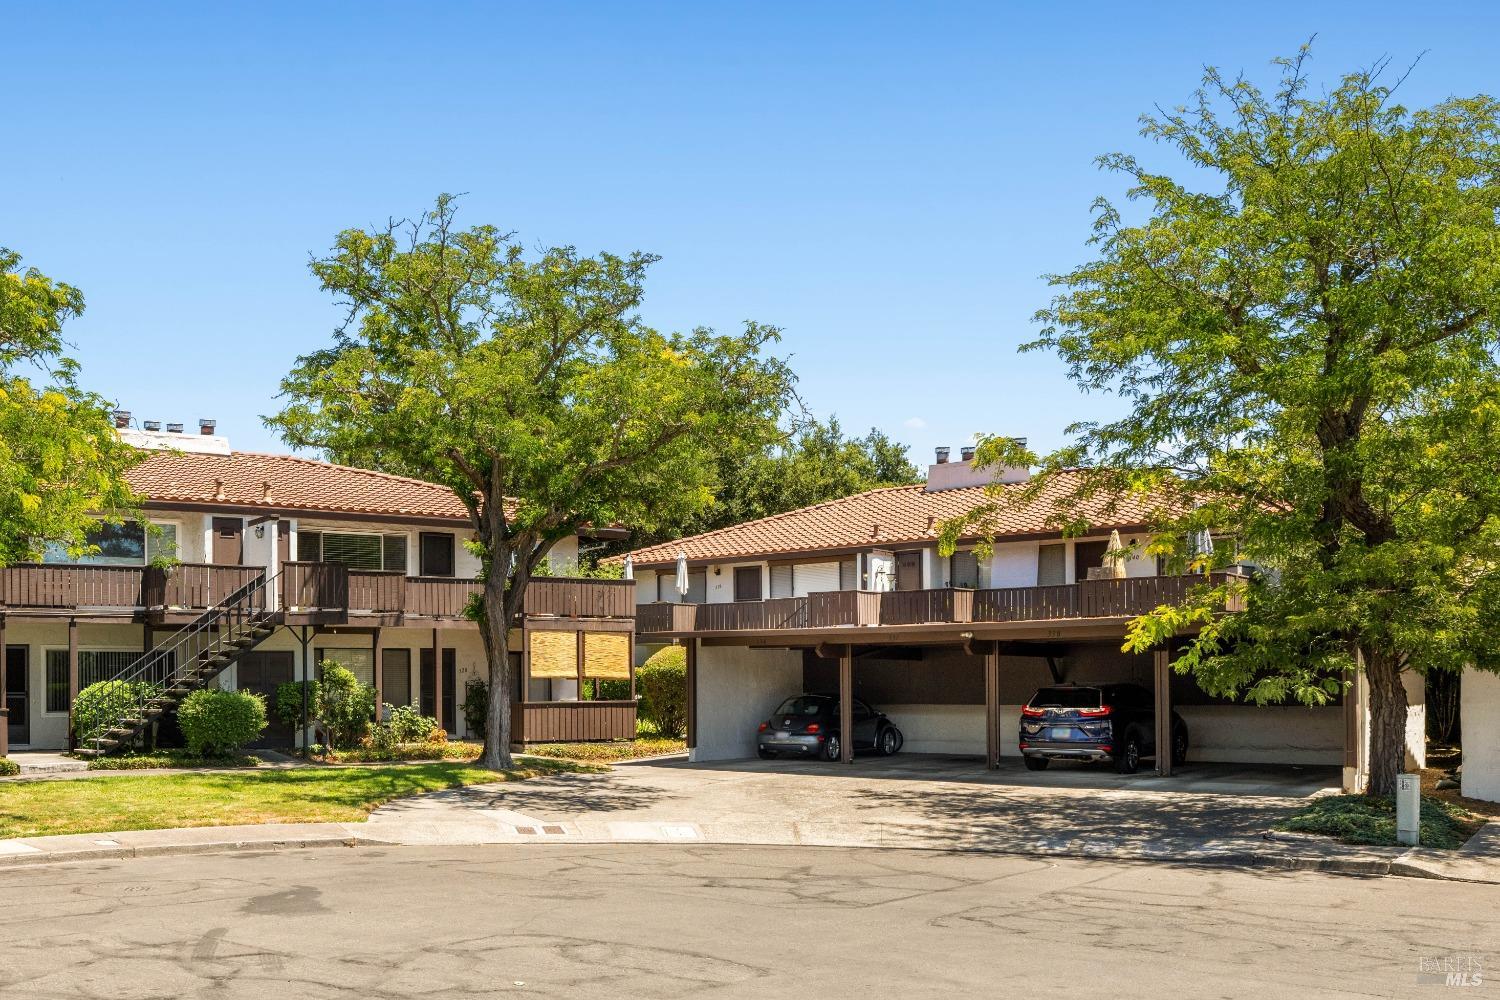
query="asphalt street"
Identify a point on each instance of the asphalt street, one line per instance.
(688, 921)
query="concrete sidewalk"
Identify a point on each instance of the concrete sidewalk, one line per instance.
(691, 804)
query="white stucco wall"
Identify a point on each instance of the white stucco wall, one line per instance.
(49, 730)
(737, 688)
(1480, 722)
(1012, 564)
(1279, 734)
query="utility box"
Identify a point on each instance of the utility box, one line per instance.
(1408, 809)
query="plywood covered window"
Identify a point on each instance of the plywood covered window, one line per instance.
(554, 654)
(606, 655)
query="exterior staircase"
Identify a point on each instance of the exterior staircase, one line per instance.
(186, 661)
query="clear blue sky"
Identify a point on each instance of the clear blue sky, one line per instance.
(886, 182)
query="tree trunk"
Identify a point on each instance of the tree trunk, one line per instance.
(1387, 721)
(495, 629)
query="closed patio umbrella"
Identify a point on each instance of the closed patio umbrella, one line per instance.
(1114, 562)
(1203, 545)
(682, 573)
(628, 573)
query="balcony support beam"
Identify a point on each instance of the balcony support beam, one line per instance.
(692, 697)
(72, 678)
(992, 706)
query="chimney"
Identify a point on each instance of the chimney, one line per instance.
(967, 453)
(206, 426)
(219, 489)
(942, 456)
(152, 425)
(122, 419)
(174, 428)
(946, 475)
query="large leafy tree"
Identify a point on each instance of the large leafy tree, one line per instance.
(61, 463)
(814, 462)
(1304, 330)
(528, 384)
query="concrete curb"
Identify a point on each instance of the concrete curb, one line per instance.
(344, 837)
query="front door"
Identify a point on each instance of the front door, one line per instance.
(429, 686)
(909, 570)
(261, 673)
(747, 583)
(17, 683)
(229, 537)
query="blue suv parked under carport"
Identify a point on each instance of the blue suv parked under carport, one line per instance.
(1095, 722)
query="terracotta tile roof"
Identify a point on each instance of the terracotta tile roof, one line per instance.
(286, 482)
(893, 515)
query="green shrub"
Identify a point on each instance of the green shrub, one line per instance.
(406, 726)
(9, 768)
(345, 706)
(662, 681)
(168, 759)
(1371, 819)
(100, 705)
(612, 690)
(476, 705)
(289, 702)
(217, 723)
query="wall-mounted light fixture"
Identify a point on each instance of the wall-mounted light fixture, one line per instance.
(260, 531)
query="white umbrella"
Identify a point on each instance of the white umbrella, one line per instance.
(628, 573)
(682, 574)
(1204, 544)
(1114, 562)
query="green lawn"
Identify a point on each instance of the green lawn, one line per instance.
(302, 795)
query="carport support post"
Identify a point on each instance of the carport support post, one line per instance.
(992, 706)
(846, 704)
(72, 678)
(1162, 669)
(692, 698)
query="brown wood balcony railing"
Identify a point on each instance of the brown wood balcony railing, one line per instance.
(381, 592)
(1026, 604)
(44, 585)
(571, 721)
(1086, 599)
(438, 596)
(314, 586)
(568, 597)
(916, 607)
(834, 608)
(195, 585)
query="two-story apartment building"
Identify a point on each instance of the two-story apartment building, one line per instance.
(851, 596)
(262, 566)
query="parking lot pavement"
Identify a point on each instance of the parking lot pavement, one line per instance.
(909, 801)
(650, 921)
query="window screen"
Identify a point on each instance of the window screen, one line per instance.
(395, 676)
(848, 574)
(963, 570)
(1051, 565)
(395, 553)
(310, 546)
(781, 580)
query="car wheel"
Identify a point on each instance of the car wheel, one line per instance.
(767, 754)
(1128, 759)
(890, 741)
(1179, 747)
(831, 748)
(900, 739)
(1036, 763)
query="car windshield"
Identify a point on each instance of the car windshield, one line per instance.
(1066, 697)
(804, 705)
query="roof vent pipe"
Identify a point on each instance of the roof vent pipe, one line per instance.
(152, 425)
(122, 419)
(942, 456)
(206, 426)
(174, 428)
(967, 453)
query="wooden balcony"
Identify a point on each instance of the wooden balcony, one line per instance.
(1126, 598)
(45, 587)
(571, 721)
(310, 592)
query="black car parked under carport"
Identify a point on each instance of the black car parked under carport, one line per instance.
(808, 726)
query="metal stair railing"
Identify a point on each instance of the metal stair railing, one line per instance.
(194, 655)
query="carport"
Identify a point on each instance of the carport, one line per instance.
(958, 692)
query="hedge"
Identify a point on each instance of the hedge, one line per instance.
(662, 682)
(217, 723)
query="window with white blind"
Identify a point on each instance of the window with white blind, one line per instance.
(781, 580)
(357, 550)
(359, 662)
